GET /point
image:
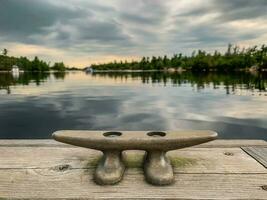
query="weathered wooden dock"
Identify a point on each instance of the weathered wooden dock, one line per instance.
(45, 169)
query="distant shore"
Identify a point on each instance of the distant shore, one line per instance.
(169, 70)
(176, 70)
(234, 59)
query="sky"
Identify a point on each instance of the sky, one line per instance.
(83, 32)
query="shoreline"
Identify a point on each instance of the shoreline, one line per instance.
(170, 70)
(179, 70)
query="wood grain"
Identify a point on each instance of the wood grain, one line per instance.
(190, 160)
(258, 153)
(51, 143)
(77, 184)
(44, 171)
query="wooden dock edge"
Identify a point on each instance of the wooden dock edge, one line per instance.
(45, 169)
(220, 143)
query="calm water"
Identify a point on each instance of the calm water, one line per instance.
(35, 105)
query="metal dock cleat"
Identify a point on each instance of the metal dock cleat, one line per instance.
(157, 167)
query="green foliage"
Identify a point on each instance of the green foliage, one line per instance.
(7, 62)
(59, 66)
(5, 51)
(233, 59)
(36, 65)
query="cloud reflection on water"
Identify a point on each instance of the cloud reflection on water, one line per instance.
(80, 101)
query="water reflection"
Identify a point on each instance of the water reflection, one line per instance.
(231, 82)
(8, 79)
(36, 104)
(60, 75)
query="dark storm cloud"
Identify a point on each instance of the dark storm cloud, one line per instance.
(241, 9)
(32, 22)
(126, 27)
(138, 19)
(19, 19)
(100, 31)
(217, 30)
(145, 13)
(229, 9)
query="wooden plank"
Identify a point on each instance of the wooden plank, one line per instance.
(51, 143)
(258, 153)
(78, 184)
(190, 160)
(44, 170)
(233, 143)
(31, 143)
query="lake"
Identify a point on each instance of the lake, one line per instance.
(35, 105)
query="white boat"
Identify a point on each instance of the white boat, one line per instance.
(15, 69)
(16, 72)
(89, 70)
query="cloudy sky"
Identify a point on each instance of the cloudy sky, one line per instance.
(81, 32)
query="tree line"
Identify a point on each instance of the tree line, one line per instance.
(35, 65)
(233, 59)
